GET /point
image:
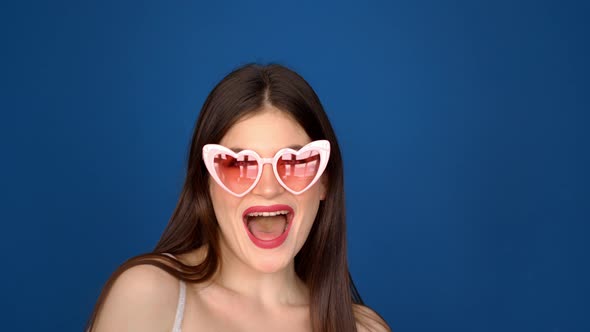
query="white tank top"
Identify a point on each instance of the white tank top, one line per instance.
(180, 308)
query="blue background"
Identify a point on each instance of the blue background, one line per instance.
(472, 216)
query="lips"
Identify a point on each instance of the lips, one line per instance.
(268, 226)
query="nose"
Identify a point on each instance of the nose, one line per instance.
(268, 186)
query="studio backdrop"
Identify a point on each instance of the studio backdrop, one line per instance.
(463, 126)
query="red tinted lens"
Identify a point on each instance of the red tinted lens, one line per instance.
(237, 175)
(298, 171)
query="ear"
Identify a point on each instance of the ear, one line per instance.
(323, 187)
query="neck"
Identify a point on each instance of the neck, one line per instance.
(281, 287)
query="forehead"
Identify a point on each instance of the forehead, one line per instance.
(265, 132)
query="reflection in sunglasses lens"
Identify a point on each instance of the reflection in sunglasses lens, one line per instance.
(297, 172)
(236, 174)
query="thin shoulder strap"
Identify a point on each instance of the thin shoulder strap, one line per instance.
(180, 307)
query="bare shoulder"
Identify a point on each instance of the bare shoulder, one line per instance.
(367, 320)
(143, 298)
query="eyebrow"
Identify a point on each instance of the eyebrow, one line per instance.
(294, 147)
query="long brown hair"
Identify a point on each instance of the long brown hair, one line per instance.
(322, 261)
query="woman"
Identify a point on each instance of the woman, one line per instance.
(257, 239)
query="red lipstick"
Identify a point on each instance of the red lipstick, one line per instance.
(269, 244)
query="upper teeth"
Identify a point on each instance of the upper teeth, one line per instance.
(267, 214)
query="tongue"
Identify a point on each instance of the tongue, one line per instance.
(267, 228)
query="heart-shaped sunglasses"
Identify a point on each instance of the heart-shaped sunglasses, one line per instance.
(239, 172)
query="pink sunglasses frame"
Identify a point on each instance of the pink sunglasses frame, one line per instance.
(321, 146)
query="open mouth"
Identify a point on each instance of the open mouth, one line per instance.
(268, 226)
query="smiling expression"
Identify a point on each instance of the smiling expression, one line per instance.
(252, 243)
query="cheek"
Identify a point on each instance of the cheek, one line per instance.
(310, 205)
(323, 184)
(305, 228)
(223, 204)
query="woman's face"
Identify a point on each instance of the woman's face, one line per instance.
(241, 232)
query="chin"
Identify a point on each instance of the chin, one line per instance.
(274, 263)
